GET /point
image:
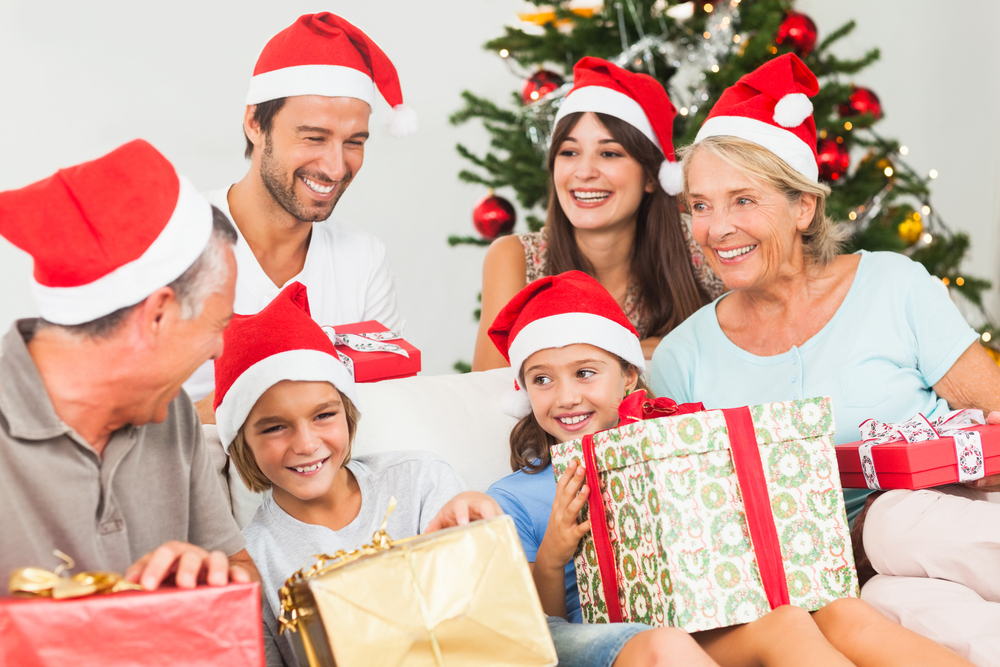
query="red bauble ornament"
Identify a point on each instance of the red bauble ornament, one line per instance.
(861, 101)
(540, 84)
(493, 216)
(833, 159)
(798, 30)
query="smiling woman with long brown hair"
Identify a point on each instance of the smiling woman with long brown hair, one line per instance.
(612, 211)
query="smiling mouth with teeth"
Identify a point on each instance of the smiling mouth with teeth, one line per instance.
(590, 196)
(569, 421)
(730, 254)
(317, 187)
(310, 468)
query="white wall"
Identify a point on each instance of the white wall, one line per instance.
(78, 79)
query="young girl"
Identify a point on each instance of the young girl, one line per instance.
(577, 356)
(287, 412)
(612, 210)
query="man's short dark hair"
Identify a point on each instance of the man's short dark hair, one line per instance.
(185, 286)
(264, 115)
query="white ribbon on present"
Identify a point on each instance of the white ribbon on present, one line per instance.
(365, 342)
(968, 444)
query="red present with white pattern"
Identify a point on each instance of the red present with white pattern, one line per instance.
(921, 453)
(373, 352)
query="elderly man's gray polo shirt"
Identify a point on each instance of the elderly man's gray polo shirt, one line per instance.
(153, 484)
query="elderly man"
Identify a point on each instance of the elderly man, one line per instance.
(306, 124)
(101, 452)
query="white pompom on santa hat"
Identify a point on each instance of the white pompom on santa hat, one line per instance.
(770, 106)
(281, 342)
(557, 311)
(107, 233)
(322, 54)
(638, 99)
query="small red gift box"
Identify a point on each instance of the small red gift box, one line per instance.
(919, 464)
(369, 347)
(199, 627)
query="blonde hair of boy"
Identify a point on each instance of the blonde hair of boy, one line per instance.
(246, 465)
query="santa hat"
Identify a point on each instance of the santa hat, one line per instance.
(322, 54)
(557, 311)
(106, 234)
(281, 342)
(637, 99)
(770, 106)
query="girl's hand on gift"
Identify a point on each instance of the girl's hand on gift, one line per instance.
(562, 536)
(465, 507)
(564, 531)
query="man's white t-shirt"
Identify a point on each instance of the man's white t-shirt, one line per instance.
(346, 274)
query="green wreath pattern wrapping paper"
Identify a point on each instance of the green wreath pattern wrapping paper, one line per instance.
(677, 524)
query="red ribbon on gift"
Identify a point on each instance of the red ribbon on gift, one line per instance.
(637, 407)
(757, 503)
(753, 489)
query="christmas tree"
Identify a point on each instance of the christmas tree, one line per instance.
(697, 49)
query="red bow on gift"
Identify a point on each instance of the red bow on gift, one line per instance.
(637, 407)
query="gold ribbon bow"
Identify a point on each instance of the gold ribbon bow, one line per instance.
(42, 583)
(326, 562)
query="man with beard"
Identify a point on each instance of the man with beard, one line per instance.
(306, 124)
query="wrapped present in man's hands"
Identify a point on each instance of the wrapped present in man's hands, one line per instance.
(96, 619)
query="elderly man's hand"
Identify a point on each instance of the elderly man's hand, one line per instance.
(188, 565)
(463, 508)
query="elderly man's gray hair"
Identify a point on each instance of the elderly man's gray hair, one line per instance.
(202, 279)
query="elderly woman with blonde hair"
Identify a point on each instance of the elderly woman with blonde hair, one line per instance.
(874, 331)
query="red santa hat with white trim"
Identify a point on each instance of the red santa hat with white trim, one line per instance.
(281, 342)
(106, 234)
(770, 106)
(557, 311)
(637, 99)
(322, 54)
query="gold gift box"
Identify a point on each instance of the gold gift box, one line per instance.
(461, 596)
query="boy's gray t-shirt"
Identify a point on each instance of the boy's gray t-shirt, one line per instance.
(280, 545)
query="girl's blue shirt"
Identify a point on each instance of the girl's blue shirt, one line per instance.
(528, 500)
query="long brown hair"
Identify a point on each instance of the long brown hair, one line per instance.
(529, 442)
(661, 263)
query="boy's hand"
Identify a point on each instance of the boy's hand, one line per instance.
(465, 507)
(564, 533)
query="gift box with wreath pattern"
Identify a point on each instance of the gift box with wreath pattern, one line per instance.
(694, 525)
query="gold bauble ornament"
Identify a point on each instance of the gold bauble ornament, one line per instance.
(911, 228)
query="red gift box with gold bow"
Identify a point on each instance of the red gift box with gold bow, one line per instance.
(921, 453)
(373, 352)
(198, 627)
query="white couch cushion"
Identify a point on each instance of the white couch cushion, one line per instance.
(457, 417)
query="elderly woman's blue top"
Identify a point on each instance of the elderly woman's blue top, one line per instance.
(895, 335)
